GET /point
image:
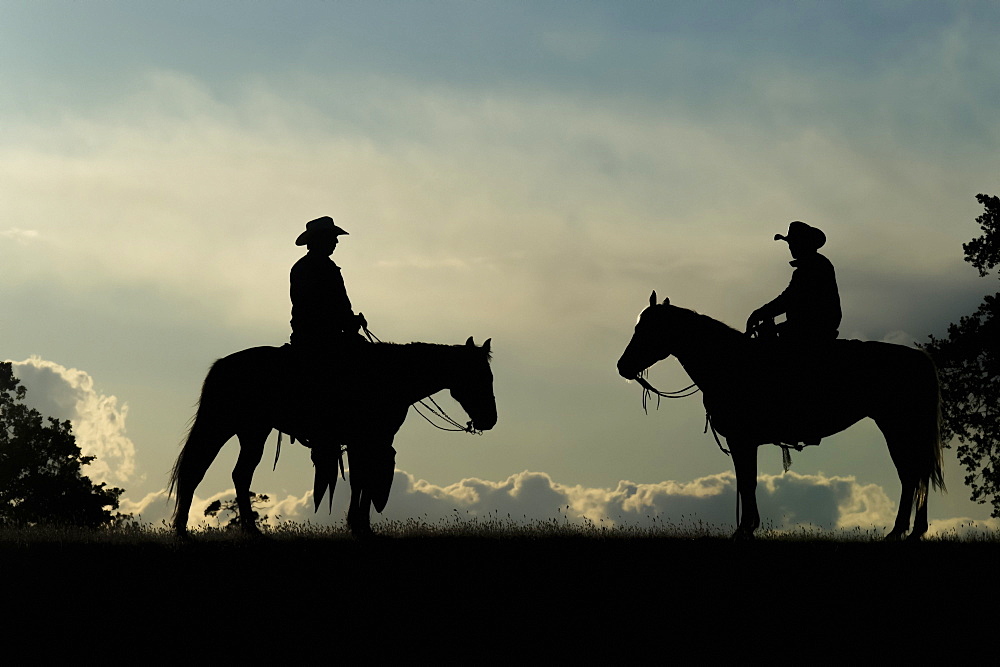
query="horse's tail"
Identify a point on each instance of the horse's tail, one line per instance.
(937, 472)
(200, 447)
(929, 434)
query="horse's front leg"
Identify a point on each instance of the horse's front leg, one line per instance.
(914, 492)
(745, 461)
(358, 520)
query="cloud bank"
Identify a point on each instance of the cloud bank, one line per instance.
(98, 420)
(787, 502)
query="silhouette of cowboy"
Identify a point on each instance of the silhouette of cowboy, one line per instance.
(321, 311)
(323, 325)
(811, 302)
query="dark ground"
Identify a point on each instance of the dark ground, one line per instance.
(474, 599)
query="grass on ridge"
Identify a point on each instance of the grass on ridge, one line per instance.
(492, 526)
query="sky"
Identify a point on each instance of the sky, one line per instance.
(525, 172)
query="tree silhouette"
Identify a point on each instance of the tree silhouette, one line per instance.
(968, 362)
(984, 252)
(218, 508)
(41, 479)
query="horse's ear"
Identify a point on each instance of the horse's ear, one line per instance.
(666, 301)
(486, 345)
(652, 298)
(469, 342)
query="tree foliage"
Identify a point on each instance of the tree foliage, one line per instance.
(983, 252)
(219, 509)
(41, 478)
(968, 362)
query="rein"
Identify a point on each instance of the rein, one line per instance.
(437, 410)
(690, 390)
(648, 389)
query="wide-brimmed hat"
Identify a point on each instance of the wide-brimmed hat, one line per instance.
(318, 227)
(802, 234)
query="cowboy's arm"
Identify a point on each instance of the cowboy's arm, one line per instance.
(780, 304)
(769, 310)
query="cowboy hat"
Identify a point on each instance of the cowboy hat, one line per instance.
(801, 233)
(318, 226)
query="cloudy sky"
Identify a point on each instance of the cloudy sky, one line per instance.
(526, 172)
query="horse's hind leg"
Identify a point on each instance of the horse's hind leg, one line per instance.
(251, 450)
(920, 524)
(202, 446)
(921, 492)
(896, 438)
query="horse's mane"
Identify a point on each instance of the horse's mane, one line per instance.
(389, 353)
(707, 326)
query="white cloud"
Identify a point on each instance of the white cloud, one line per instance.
(787, 502)
(98, 420)
(964, 527)
(866, 505)
(577, 206)
(152, 508)
(19, 235)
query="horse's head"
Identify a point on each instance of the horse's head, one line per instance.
(650, 341)
(473, 388)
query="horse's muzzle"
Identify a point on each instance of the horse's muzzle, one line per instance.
(628, 371)
(482, 425)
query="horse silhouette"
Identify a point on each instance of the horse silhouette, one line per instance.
(758, 393)
(246, 394)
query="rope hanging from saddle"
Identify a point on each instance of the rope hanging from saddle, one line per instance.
(277, 451)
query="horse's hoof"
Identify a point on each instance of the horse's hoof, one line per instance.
(362, 532)
(743, 536)
(253, 533)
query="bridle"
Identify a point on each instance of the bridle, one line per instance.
(439, 412)
(436, 410)
(690, 390)
(649, 390)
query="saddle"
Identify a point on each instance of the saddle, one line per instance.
(787, 356)
(308, 374)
